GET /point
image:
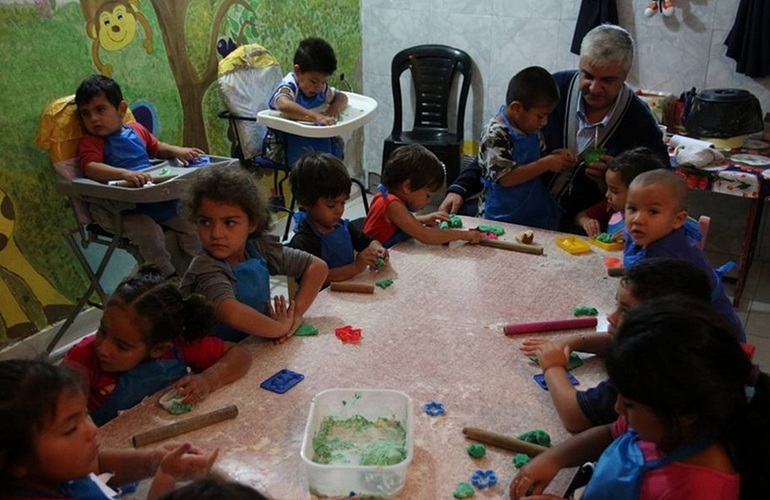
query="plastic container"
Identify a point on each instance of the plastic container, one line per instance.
(572, 245)
(612, 246)
(381, 481)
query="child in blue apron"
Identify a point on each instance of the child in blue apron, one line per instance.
(239, 256)
(693, 414)
(510, 154)
(304, 95)
(409, 176)
(50, 449)
(607, 216)
(321, 185)
(148, 337)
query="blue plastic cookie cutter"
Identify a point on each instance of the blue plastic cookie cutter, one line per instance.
(199, 161)
(282, 381)
(434, 408)
(540, 379)
(484, 478)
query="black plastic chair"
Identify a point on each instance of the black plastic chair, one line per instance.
(433, 69)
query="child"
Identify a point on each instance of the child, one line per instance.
(321, 185)
(233, 270)
(147, 337)
(607, 215)
(299, 96)
(111, 150)
(687, 395)
(214, 489)
(510, 153)
(649, 279)
(409, 176)
(49, 446)
(656, 213)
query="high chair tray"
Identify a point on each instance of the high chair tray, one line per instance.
(169, 179)
(359, 112)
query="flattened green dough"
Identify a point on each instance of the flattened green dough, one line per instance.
(306, 330)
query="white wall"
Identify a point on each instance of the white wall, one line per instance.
(504, 36)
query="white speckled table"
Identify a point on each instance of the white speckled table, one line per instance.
(435, 334)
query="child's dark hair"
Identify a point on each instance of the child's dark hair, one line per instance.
(659, 277)
(413, 163)
(678, 358)
(95, 85)
(29, 393)
(164, 312)
(315, 54)
(532, 86)
(668, 179)
(214, 489)
(633, 162)
(229, 184)
(318, 175)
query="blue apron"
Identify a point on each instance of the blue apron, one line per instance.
(134, 385)
(528, 204)
(336, 246)
(85, 488)
(400, 235)
(252, 287)
(619, 471)
(297, 145)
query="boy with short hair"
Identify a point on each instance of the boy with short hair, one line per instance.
(321, 185)
(510, 153)
(649, 279)
(113, 150)
(656, 212)
(299, 96)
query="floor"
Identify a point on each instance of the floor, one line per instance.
(754, 308)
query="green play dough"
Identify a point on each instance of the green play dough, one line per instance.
(605, 238)
(359, 441)
(178, 408)
(585, 311)
(520, 460)
(573, 362)
(464, 490)
(537, 436)
(306, 330)
(477, 450)
(384, 283)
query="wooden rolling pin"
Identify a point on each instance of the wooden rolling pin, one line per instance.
(547, 326)
(346, 286)
(502, 441)
(183, 426)
(512, 245)
(615, 272)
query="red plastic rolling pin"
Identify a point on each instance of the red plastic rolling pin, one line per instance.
(548, 326)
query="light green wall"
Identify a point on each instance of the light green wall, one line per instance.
(45, 52)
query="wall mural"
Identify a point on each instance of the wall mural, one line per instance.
(164, 54)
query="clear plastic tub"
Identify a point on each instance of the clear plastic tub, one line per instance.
(339, 479)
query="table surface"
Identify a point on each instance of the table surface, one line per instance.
(435, 334)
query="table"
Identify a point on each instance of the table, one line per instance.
(745, 181)
(435, 334)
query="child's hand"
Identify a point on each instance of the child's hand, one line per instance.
(366, 258)
(596, 170)
(530, 346)
(185, 462)
(591, 227)
(568, 158)
(194, 388)
(619, 236)
(551, 354)
(326, 119)
(186, 155)
(137, 178)
(382, 252)
(433, 219)
(284, 315)
(557, 163)
(473, 237)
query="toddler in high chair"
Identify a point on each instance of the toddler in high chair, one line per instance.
(408, 177)
(113, 150)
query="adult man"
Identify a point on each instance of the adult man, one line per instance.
(595, 103)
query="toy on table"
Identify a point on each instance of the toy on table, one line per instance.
(477, 450)
(464, 490)
(282, 381)
(526, 237)
(573, 362)
(512, 245)
(171, 401)
(306, 330)
(606, 241)
(453, 222)
(585, 311)
(434, 408)
(536, 436)
(572, 244)
(484, 478)
(348, 334)
(384, 283)
(352, 287)
(547, 326)
(502, 441)
(540, 379)
(184, 426)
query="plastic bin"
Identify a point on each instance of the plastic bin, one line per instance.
(380, 481)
